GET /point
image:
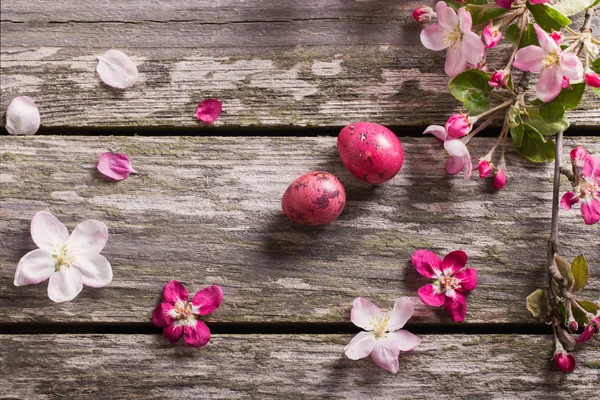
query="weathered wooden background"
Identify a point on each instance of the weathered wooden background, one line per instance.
(205, 209)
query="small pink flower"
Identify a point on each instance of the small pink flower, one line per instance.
(592, 79)
(505, 3)
(590, 330)
(564, 361)
(383, 337)
(458, 125)
(578, 156)
(460, 159)
(491, 35)
(552, 62)
(453, 32)
(556, 36)
(423, 14)
(499, 79)
(485, 168)
(586, 189)
(115, 166)
(451, 281)
(499, 179)
(178, 316)
(209, 110)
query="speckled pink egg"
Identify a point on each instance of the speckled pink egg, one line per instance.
(316, 198)
(371, 152)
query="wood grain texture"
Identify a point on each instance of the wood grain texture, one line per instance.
(288, 367)
(207, 211)
(272, 63)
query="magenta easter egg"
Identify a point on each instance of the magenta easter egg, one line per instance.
(371, 152)
(316, 198)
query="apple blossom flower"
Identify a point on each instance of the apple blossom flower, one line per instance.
(592, 79)
(451, 281)
(458, 125)
(590, 330)
(556, 36)
(578, 156)
(178, 316)
(485, 168)
(491, 35)
(499, 179)
(453, 32)
(460, 159)
(564, 361)
(585, 189)
(69, 262)
(209, 110)
(423, 14)
(383, 337)
(115, 166)
(505, 3)
(551, 61)
(499, 79)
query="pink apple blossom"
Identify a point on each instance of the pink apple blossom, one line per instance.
(586, 189)
(499, 179)
(453, 32)
(383, 337)
(564, 361)
(505, 3)
(460, 158)
(592, 79)
(458, 125)
(178, 316)
(423, 14)
(451, 281)
(492, 36)
(590, 330)
(551, 61)
(485, 168)
(499, 79)
(578, 156)
(556, 36)
(115, 166)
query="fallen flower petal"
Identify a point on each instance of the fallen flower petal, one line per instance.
(209, 110)
(22, 116)
(115, 166)
(116, 69)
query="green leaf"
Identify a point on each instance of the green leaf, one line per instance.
(547, 17)
(587, 306)
(562, 312)
(570, 7)
(596, 90)
(482, 14)
(568, 99)
(515, 123)
(529, 36)
(546, 127)
(564, 267)
(537, 304)
(534, 146)
(472, 88)
(595, 65)
(579, 268)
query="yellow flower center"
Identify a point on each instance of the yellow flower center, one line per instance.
(183, 311)
(551, 59)
(380, 326)
(62, 257)
(453, 37)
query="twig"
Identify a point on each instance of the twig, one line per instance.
(553, 240)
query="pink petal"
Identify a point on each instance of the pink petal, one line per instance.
(431, 295)
(570, 66)
(467, 278)
(34, 267)
(64, 285)
(456, 305)
(568, 200)
(405, 340)
(116, 69)
(115, 166)
(360, 346)
(385, 354)
(530, 58)
(174, 292)
(196, 334)
(472, 48)
(207, 300)
(446, 16)
(454, 261)
(587, 334)
(590, 211)
(454, 165)
(402, 311)
(591, 168)
(427, 263)
(433, 37)
(550, 84)
(455, 62)
(95, 270)
(88, 238)
(22, 116)
(173, 332)
(465, 20)
(456, 147)
(363, 312)
(162, 315)
(47, 231)
(209, 110)
(546, 42)
(437, 131)
(468, 165)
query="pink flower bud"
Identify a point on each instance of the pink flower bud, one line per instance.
(557, 37)
(538, 1)
(590, 330)
(492, 36)
(572, 325)
(565, 82)
(484, 167)
(505, 3)
(458, 125)
(498, 79)
(592, 79)
(499, 180)
(564, 361)
(423, 14)
(578, 156)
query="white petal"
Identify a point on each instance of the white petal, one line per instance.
(472, 48)
(465, 20)
(385, 354)
(116, 69)
(95, 270)
(571, 66)
(363, 313)
(22, 116)
(433, 37)
(546, 42)
(64, 285)
(456, 147)
(550, 83)
(402, 311)
(360, 346)
(437, 131)
(34, 267)
(47, 231)
(89, 237)
(405, 340)
(530, 58)
(446, 15)
(455, 62)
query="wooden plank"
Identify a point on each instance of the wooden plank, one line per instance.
(207, 211)
(289, 367)
(272, 63)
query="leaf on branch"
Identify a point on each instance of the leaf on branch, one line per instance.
(564, 267)
(515, 123)
(529, 37)
(579, 268)
(568, 99)
(545, 127)
(482, 14)
(471, 87)
(537, 304)
(571, 7)
(534, 146)
(547, 17)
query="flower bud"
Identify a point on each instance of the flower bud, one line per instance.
(578, 156)
(557, 37)
(423, 14)
(498, 79)
(499, 180)
(590, 330)
(564, 361)
(592, 79)
(565, 82)
(492, 36)
(458, 125)
(484, 167)
(505, 3)
(572, 325)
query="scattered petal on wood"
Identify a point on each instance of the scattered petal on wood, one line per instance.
(22, 116)
(209, 110)
(116, 69)
(115, 166)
